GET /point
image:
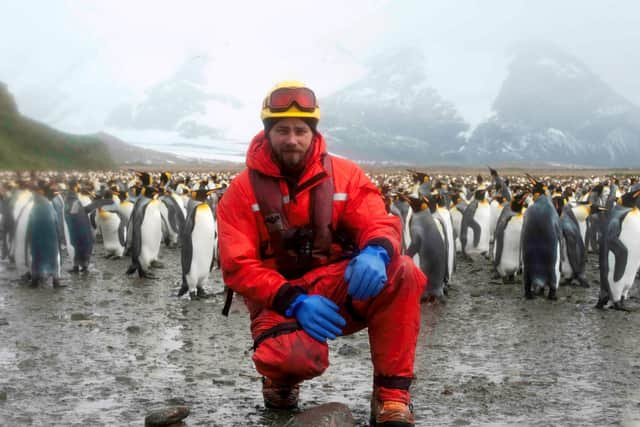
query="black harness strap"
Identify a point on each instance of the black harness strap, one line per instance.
(294, 261)
(401, 383)
(227, 302)
(277, 330)
(269, 198)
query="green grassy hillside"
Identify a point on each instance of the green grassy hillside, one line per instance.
(27, 144)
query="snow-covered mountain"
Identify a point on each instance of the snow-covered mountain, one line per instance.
(552, 108)
(181, 115)
(393, 115)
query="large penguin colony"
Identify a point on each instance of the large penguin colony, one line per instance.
(536, 231)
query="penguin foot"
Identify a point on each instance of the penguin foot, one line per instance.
(582, 282)
(146, 275)
(529, 295)
(35, 282)
(183, 290)
(601, 303)
(56, 284)
(552, 295)
(26, 277)
(620, 306)
(109, 256)
(201, 293)
(156, 264)
(132, 269)
(193, 295)
(74, 270)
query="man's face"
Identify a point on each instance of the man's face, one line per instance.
(290, 140)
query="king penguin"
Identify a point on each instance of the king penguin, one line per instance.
(146, 233)
(81, 231)
(506, 248)
(20, 248)
(42, 239)
(474, 230)
(443, 217)
(112, 226)
(198, 245)
(573, 251)
(456, 210)
(428, 245)
(541, 235)
(620, 251)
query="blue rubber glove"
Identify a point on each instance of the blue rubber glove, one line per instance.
(318, 316)
(367, 272)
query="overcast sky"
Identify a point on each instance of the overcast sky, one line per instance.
(99, 54)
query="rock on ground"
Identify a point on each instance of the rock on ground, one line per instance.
(327, 415)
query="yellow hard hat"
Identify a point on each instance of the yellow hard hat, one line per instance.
(290, 98)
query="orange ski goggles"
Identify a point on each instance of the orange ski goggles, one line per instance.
(282, 99)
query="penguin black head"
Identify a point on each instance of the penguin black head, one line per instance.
(419, 176)
(517, 203)
(73, 185)
(631, 199)
(145, 178)
(164, 178)
(149, 191)
(480, 194)
(417, 203)
(201, 194)
(538, 188)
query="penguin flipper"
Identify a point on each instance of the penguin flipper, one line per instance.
(132, 269)
(571, 248)
(498, 235)
(621, 253)
(445, 240)
(97, 204)
(186, 253)
(415, 244)
(121, 230)
(476, 232)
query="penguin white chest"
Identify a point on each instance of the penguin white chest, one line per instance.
(448, 236)
(510, 257)
(151, 233)
(202, 244)
(109, 223)
(630, 238)
(482, 216)
(20, 244)
(456, 222)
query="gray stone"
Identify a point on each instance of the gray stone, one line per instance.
(166, 416)
(134, 329)
(348, 350)
(332, 414)
(80, 316)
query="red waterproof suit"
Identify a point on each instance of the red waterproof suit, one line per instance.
(284, 352)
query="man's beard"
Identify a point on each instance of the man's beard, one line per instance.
(291, 162)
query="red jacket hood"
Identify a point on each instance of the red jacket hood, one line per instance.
(259, 155)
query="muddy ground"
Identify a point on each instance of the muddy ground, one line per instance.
(107, 348)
